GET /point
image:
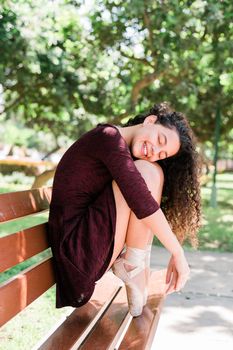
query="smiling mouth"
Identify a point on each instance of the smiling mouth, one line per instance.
(145, 151)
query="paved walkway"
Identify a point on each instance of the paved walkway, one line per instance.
(201, 316)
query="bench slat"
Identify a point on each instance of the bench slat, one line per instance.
(70, 333)
(22, 245)
(24, 288)
(135, 332)
(107, 328)
(17, 204)
(142, 329)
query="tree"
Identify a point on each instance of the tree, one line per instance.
(37, 71)
(74, 65)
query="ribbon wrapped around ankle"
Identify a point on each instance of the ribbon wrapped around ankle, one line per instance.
(135, 256)
(148, 254)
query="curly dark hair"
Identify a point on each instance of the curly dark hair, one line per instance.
(181, 200)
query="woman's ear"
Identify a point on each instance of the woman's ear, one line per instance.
(151, 119)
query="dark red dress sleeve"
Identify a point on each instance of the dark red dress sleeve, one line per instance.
(110, 147)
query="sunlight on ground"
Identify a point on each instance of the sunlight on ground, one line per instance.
(206, 325)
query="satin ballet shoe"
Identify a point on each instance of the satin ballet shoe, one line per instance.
(147, 272)
(134, 282)
(146, 291)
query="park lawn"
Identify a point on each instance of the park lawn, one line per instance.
(33, 323)
(4, 188)
(217, 230)
(27, 328)
(216, 233)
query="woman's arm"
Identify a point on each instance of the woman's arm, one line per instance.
(178, 270)
(158, 224)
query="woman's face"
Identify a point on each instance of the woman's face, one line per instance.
(153, 142)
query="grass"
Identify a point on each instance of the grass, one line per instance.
(216, 233)
(17, 225)
(217, 230)
(28, 327)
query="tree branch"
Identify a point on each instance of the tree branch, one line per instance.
(147, 23)
(55, 149)
(138, 86)
(117, 119)
(141, 60)
(141, 84)
(43, 178)
(11, 105)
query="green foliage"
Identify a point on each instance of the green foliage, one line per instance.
(16, 133)
(64, 65)
(16, 178)
(38, 71)
(17, 181)
(216, 233)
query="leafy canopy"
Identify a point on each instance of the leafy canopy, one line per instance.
(69, 64)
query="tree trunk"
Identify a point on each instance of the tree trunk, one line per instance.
(141, 84)
(43, 178)
(213, 199)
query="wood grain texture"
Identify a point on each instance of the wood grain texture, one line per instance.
(76, 328)
(142, 329)
(18, 204)
(22, 245)
(115, 327)
(24, 288)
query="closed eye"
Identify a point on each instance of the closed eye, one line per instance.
(163, 140)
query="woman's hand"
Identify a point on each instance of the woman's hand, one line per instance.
(177, 272)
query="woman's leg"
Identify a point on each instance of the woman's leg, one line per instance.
(129, 229)
(133, 267)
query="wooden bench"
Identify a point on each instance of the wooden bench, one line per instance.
(104, 322)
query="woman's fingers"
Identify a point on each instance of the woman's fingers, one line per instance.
(179, 270)
(169, 272)
(181, 281)
(172, 285)
(183, 271)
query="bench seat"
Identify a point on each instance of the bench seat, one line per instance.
(104, 322)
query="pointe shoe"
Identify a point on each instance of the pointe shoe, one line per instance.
(147, 272)
(132, 280)
(146, 291)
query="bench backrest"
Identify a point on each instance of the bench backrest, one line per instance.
(20, 290)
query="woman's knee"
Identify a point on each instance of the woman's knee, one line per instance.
(153, 176)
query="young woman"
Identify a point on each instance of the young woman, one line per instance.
(109, 191)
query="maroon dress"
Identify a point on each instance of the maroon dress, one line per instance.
(82, 215)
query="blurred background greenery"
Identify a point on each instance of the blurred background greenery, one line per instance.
(66, 65)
